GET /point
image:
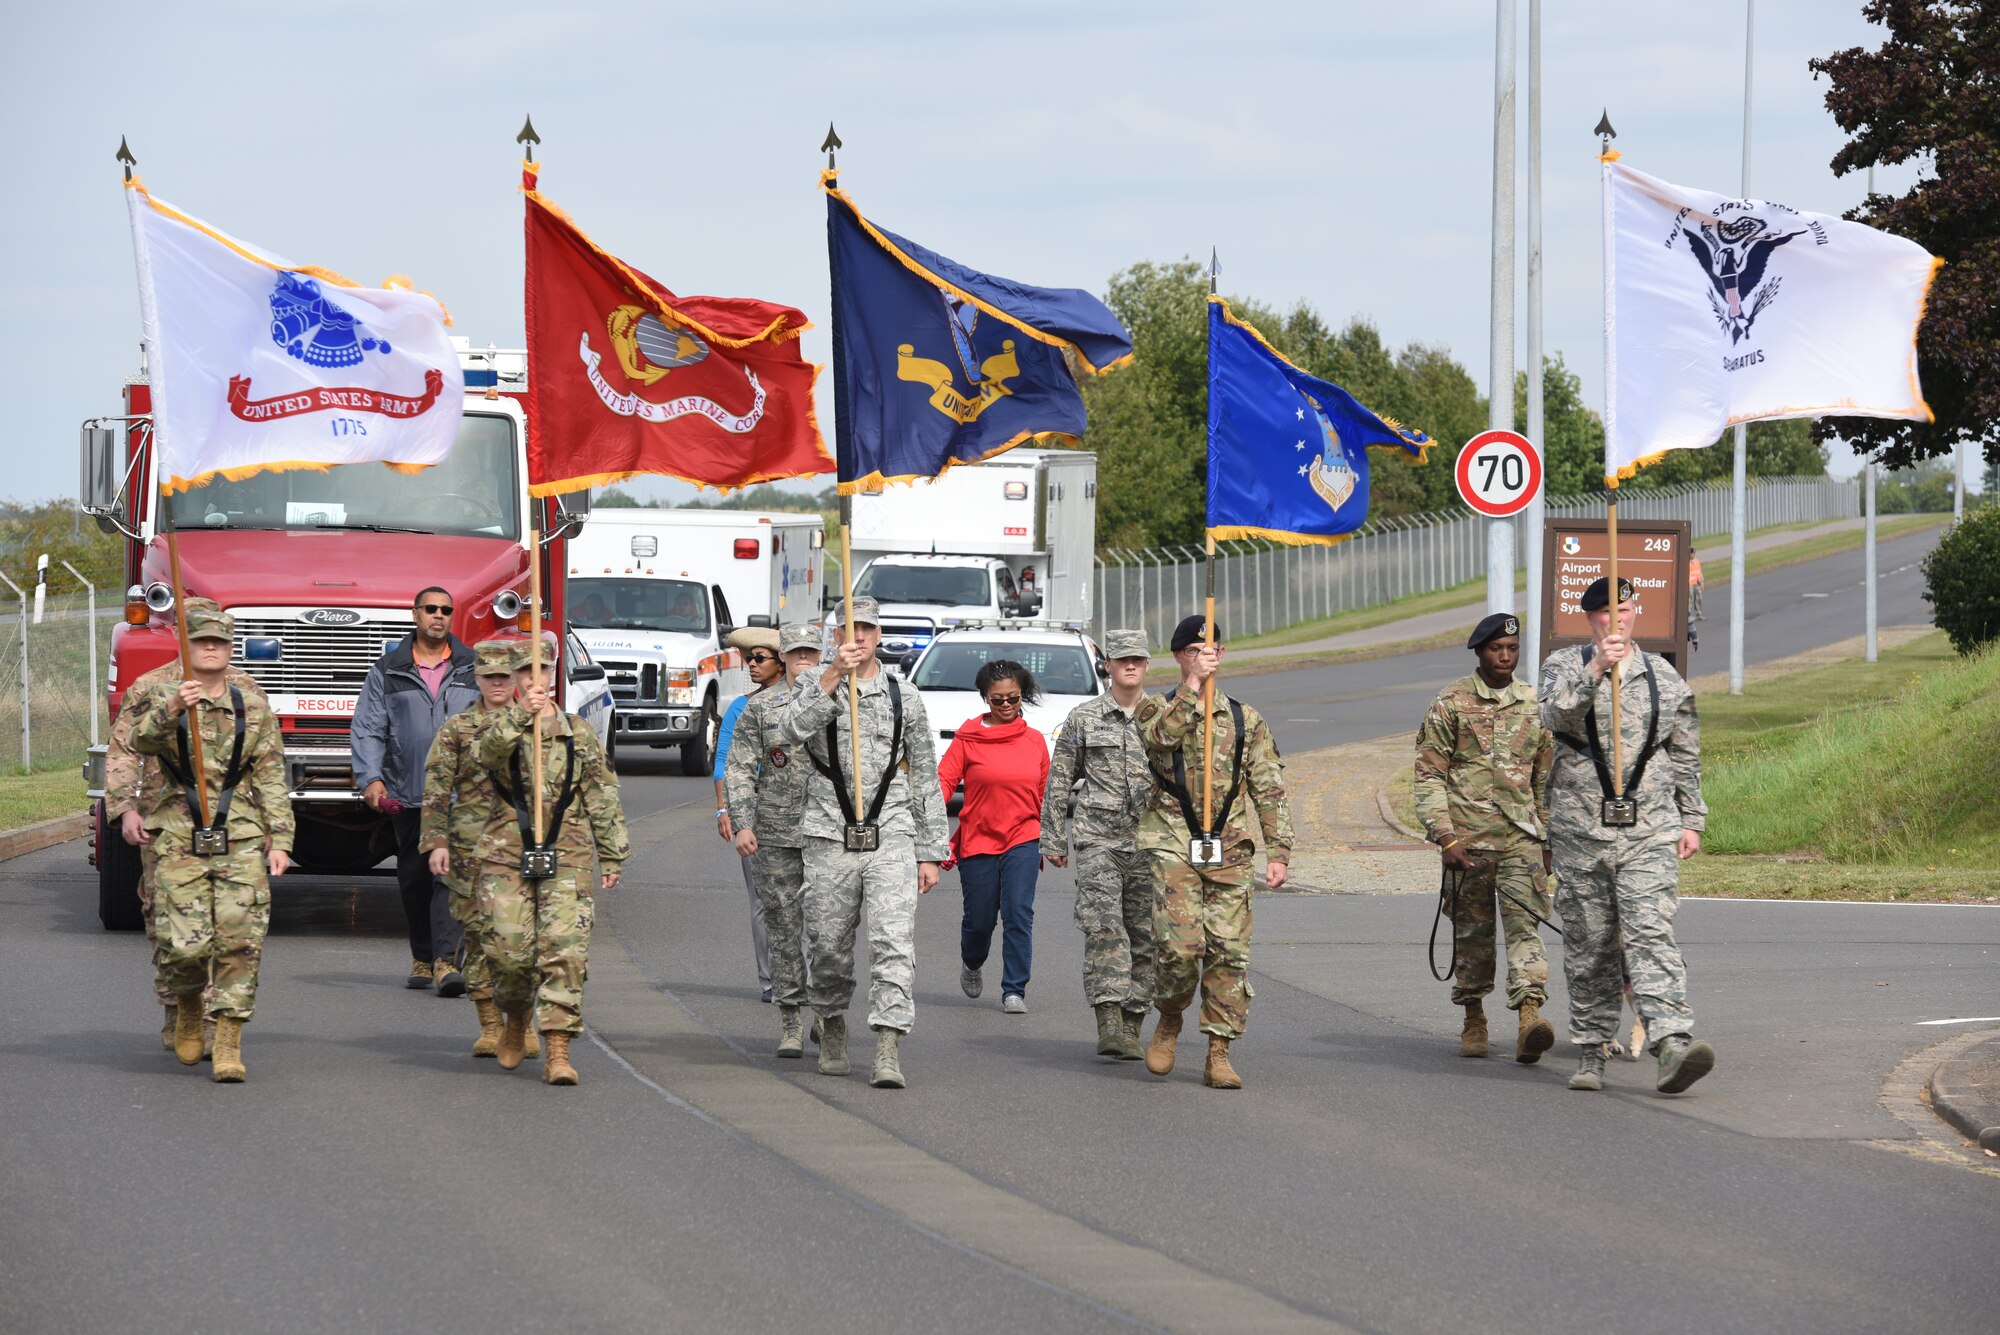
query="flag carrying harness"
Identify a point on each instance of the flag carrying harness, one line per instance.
(1177, 788)
(210, 840)
(539, 861)
(863, 836)
(1616, 812)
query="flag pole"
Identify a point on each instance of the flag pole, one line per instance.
(528, 139)
(200, 775)
(1208, 638)
(828, 146)
(1605, 134)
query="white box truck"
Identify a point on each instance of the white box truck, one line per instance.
(1014, 536)
(652, 594)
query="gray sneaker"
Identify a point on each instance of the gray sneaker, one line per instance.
(1014, 1004)
(969, 981)
(1682, 1062)
(1589, 1070)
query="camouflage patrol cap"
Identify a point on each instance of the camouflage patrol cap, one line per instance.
(494, 658)
(1500, 623)
(522, 659)
(799, 635)
(1126, 644)
(207, 621)
(1598, 595)
(866, 613)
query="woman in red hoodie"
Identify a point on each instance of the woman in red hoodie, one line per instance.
(1005, 766)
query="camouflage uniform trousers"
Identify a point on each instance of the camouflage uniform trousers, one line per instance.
(476, 917)
(780, 876)
(1114, 910)
(1202, 924)
(1629, 886)
(149, 862)
(1501, 877)
(538, 948)
(837, 882)
(209, 920)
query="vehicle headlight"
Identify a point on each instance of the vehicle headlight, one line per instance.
(680, 687)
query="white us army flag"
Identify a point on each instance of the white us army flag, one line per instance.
(1721, 310)
(261, 365)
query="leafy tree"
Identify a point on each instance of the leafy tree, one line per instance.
(1962, 581)
(1923, 489)
(27, 531)
(1932, 91)
(1572, 435)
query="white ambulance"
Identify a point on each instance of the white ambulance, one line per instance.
(653, 594)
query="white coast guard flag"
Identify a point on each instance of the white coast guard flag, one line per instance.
(261, 365)
(1720, 310)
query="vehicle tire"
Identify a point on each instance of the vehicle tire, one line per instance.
(697, 760)
(117, 880)
(611, 746)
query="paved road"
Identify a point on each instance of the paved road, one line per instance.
(372, 1176)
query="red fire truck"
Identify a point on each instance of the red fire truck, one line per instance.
(319, 570)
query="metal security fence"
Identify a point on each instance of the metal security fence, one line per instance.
(52, 671)
(1265, 586)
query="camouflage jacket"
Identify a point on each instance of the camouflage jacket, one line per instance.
(1483, 762)
(1669, 795)
(594, 825)
(459, 795)
(262, 808)
(764, 777)
(1169, 725)
(914, 807)
(133, 782)
(1099, 744)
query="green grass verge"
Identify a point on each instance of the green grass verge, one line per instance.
(1826, 544)
(1890, 883)
(26, 799)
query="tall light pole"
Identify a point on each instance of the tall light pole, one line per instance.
(1500, 410)
(1739, 507)
(1532, 628)
(1869, 643)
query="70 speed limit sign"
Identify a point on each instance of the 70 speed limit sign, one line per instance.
(1499, 473)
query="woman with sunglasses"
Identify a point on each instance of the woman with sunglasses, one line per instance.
(1004, 765)
(759, 647)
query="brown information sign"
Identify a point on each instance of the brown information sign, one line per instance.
(1652, 555)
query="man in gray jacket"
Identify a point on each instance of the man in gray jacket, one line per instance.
(408, 695)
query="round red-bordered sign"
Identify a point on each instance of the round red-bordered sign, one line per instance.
(1499, 473)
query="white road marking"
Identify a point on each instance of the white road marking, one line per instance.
(1969, 1019)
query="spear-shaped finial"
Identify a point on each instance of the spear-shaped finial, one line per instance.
(827, 145)
(1214, 270)
(125, 156)
(528, 137)
(1605, 134)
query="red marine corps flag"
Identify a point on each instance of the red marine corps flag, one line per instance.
(630, 379)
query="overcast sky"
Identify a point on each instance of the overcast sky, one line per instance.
(1335, 152)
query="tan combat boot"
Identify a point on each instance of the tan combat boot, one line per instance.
(207, 1039)
(513, 1030)
(531, 1042)
(187, 1029)
(1219, 1074)
(791, 1034)
(167, 1029)
(488, 1042)
(1472, 1038)
(1537, 1035)
(1110, 1029)
(1131, 1047)
(1160, 1052)
(888, 1073)
(228, 1051)
(556, 1069)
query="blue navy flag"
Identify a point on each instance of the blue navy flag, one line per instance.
(937, 364)
(1287, 451)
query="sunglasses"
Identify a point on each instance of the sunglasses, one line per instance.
(1003, 699)
(435, 609)
(760, 658)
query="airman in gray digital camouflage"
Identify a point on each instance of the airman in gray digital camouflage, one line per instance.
(212, 904)
(1483, 762)
(901, 814)
(1620, 823)
(1099, 747)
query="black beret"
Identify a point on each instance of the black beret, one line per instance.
(1190, 632)
(1500, 623)
(1599, 593)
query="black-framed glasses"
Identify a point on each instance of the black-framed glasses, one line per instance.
(435, 609)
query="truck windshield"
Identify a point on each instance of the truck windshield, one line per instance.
(476, 490)
(638, 604)
(1060, 669)
(944, 586)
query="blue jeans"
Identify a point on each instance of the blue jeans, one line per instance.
(1001, 886)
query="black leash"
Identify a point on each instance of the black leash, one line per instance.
(1448, 885)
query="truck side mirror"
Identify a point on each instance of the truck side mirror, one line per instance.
(909, 661)
(563, 513)
(756, 619)
(97, 488)
(587, 672)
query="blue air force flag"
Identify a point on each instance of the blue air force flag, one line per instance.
(938, 364)
(1287, 451)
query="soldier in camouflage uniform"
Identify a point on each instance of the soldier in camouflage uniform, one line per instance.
(459, 802)
(1483, 761)
(538, 950)
(764, 780)
(899, 784)
(1099, 744)
(1618, 871)
(135, 785)
(1203, 921)
(211, 911)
